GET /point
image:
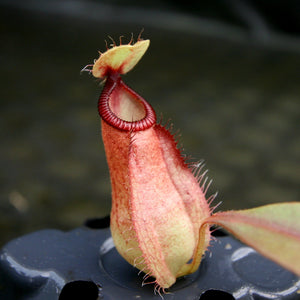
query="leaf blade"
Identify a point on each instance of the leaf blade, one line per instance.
(273, 230)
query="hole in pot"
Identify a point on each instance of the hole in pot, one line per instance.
(216, 294)
(80, 289)
(98, 223)
(217, 231)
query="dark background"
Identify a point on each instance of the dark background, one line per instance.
(225, 72)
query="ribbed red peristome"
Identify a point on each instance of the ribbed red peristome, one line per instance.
(112, 82)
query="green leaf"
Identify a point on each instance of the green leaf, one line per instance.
(273, 230)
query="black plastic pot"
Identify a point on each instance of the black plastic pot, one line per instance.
(84, 264)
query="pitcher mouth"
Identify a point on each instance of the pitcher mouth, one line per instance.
(123, 108)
